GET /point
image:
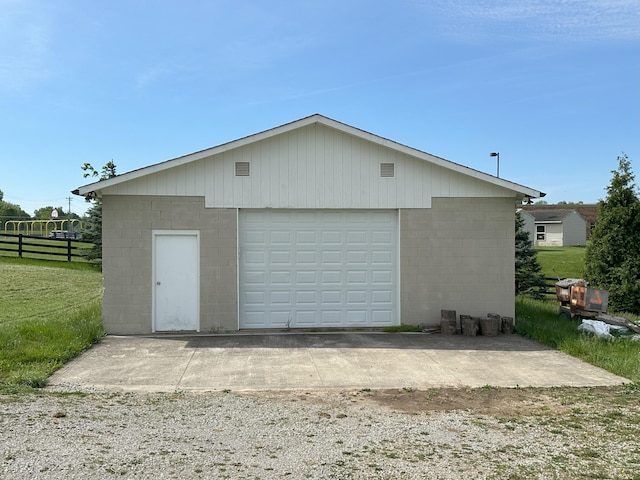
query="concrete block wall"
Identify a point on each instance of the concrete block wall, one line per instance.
(128, 223)
(458, 255)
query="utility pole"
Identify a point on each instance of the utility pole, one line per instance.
(70, 227)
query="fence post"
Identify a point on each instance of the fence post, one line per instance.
(68, 250)
(20, 245)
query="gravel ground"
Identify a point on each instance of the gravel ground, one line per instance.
(317, 435)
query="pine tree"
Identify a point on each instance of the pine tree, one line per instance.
(612, 258)
(93, 224)
(529, 277)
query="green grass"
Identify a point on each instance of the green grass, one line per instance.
(539, 321)
(49, 312)
(39, 262)
(565, 262)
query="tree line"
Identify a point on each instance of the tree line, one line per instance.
(13, 211)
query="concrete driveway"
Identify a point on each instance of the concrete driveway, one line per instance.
(296, 361)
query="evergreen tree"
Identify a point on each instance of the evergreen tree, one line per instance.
(612, 258)
(529, 277)
(93, 222)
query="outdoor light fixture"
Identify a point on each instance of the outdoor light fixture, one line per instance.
(497, 155)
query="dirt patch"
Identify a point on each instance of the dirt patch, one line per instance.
(500, 402)
(485, 401)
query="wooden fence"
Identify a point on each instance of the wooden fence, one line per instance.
(40, 247)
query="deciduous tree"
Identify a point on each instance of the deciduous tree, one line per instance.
(93, 223)
(10, 211)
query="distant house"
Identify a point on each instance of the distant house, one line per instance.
(588, 211)
(558, 228)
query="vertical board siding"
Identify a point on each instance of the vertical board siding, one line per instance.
(311, 167)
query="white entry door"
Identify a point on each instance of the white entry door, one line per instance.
(306, 268)
(176, 281)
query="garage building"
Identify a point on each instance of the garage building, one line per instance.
(312, 224)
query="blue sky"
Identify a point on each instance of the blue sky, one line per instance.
(553, 85)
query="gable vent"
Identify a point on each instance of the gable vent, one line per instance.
(242, 169)
(387, 170)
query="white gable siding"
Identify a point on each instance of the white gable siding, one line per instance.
(311, 167)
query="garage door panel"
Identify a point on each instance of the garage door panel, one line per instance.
(332, 237)
(280, 298)
(357, 277)
(254, 258)
(357, 318)
(307, 237)
(332, 297)
(254, 298)
(307, 257)
(331, 277)
(381, 237)
(254, 237)
(331, 318)
(355, 257)
(357, 237)
(381, 317)
(381, 277)
(356, 297)
(280, 257)
(382, 297)
(278, 319)
(306, 318)
(254, 319)
(280, 238)
(255, 278)
(308, 277)
(381, 257)
(281, 278)
(317, 268)
(331, 257)
(306, 297)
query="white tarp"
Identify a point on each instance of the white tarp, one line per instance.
(601, 329)
(596, 327)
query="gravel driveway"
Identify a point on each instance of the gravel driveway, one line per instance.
(527, 433)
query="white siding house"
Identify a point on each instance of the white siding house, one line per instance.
(558, 228)
(313, 224)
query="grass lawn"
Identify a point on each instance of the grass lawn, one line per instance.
(49, 312)
(563, 262)
(539, 320)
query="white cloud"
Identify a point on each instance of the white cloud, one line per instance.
(568, 20)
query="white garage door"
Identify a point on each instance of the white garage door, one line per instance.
(302, 269)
